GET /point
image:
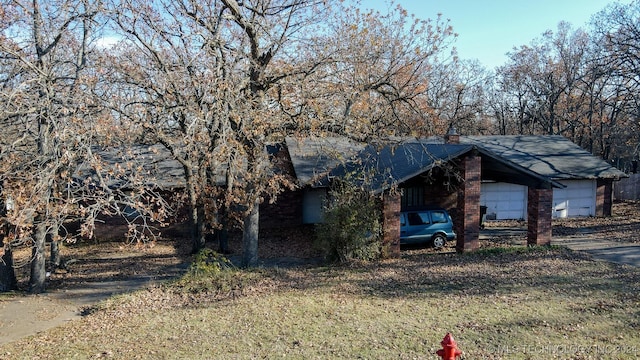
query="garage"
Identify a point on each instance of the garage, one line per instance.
(586, 180)
(577, 199)
(504, 201)
(509, 201)
(534, 178)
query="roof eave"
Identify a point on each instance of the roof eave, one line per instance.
(464, 150)
(515, 166)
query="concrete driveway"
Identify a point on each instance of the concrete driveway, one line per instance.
(587, 242)
(605, 250)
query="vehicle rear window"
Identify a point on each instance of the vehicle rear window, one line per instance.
(439, 217)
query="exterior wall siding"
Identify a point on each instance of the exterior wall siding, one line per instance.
(313, 205)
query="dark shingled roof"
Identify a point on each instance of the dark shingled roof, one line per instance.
(552, 156)
(314, 157)
(393, 164)
(317, 160)
(153, 162)
(528, 160)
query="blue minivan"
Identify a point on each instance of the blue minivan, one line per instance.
(433, 226)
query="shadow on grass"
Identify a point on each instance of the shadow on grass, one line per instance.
(94, 267)
(83, 271)
(622, 226)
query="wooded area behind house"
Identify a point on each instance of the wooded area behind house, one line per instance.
(213, 82)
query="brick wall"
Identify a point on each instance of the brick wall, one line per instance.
(287, 209)
(391, 224)
(604, 193)
(285, 212)
(467, 218)
(539, 216)
(440, 191)
(441, 196)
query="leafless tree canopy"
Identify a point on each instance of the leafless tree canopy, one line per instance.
(90, 124)
(579, 83)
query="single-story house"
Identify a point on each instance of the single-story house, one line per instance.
(524, 177)
(545, 176)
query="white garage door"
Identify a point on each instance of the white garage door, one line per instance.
(506, 201)
(577, 199)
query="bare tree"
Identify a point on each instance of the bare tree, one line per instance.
(545, 82)
(579, 84)
(215, 81)
(50, 168)
(200, 73)
(616, 69)
(379, 75)
(460, 97)
(43, 60)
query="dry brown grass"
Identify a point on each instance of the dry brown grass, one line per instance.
(501, 303)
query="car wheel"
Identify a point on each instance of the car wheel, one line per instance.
(438, 241)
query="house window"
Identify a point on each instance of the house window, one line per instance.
(412, 197)
(312, 206)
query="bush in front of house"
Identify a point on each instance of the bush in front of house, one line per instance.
(352, 227)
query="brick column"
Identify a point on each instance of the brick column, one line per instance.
(539, 216)
(468, 214)
(391, 224)
(604, 197)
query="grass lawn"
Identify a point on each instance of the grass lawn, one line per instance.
(519, 303)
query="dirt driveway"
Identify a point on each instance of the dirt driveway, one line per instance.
(23, 315)
(98, 271)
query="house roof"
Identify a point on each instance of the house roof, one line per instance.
(388, 166)
(317, 160)
(527, 160)
(153, 163)
(552, 156)
(314, 157)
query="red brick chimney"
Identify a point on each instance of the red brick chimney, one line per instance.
(452, 136)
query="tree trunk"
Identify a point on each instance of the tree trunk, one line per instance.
(223, 233)
(8, 280)
(250, 237)
(197, 229)
(38, 260)
(223, 240)
(55, 258)
(202, 227)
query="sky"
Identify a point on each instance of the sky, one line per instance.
(488, 29)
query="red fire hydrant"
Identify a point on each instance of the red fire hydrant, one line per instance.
(449, 349)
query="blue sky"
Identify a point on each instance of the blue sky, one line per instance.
(488, 29)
